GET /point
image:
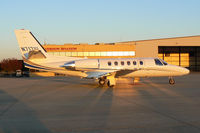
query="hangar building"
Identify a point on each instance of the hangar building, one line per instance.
(182, 51)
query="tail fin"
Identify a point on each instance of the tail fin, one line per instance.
(28, 43)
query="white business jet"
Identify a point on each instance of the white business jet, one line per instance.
(105, 70)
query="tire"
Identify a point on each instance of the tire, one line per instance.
(101, 82)
(171, 81)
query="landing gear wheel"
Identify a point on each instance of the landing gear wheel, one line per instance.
(102, 82)
(171, 81)
(109, 85)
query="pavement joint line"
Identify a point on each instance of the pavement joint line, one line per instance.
(13, 104)
(156, 111)
(101, 128)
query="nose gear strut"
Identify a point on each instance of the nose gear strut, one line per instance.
(171, 81)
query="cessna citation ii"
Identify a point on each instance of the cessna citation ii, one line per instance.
(105, 70)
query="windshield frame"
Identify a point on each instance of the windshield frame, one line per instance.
(158, 62)
(163, 62)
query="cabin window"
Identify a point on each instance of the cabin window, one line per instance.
(157, 62)
(128, 62)
(116, 63)
(134, 62)
(109, 63)
(122, 63)
(141, 63)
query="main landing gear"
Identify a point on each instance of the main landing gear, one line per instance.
(109, 84)
(110, 81)
(171, 81)
(102, 81)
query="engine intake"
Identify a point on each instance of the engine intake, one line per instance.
(69, 65)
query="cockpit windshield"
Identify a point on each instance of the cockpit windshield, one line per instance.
(165, 63)
(158, 62)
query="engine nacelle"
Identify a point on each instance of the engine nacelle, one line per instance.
(82, 64)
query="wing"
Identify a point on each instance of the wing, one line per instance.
(123, 72)
(96, 74)
(116, 73)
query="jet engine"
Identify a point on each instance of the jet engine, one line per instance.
(82, 64)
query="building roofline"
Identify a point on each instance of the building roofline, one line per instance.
(125, 41)
(162, 39)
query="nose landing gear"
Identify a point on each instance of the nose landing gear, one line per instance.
(171, 81)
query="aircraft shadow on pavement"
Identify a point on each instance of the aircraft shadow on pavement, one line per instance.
(96, 109)
(15, 116)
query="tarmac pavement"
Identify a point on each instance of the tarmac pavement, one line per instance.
(71, 104)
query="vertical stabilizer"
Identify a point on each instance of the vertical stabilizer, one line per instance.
(27, 43)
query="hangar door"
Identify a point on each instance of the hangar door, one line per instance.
(185, 56)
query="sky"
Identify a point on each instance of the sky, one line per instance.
(95, 21)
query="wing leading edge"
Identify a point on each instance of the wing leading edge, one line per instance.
(97, 74)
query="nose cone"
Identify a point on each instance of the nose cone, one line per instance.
(185, 71)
